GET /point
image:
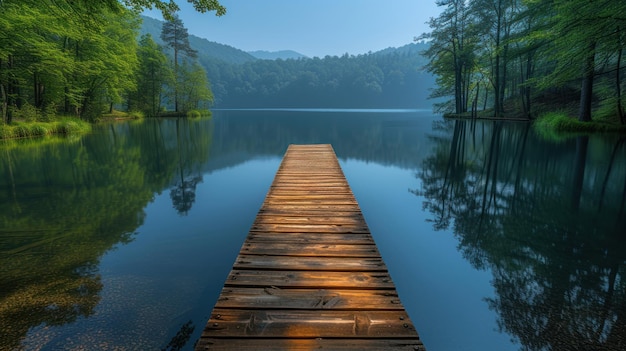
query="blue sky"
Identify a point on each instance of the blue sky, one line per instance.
(311, 27)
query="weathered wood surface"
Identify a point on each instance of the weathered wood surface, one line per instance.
(309, 275)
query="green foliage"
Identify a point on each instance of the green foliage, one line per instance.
(136, 114)
(69, 65)
(387, 79)
(69, 126)
(76, 57)
(194, 114)
(169, 8)
(26, 113)
(73, 202)
(207, 50)
(152, 74)
(505, 55)
(547, 220)
(557, 125)
(199, 113)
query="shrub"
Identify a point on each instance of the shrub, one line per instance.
(194, 114)
(27, 112)
(40, 129)
(6, 132)
(136, 114)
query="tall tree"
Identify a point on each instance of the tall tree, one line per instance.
(193, 87)
(105, 65)
(452, 52)
(152, 75)
(494, 20)
(175, 35)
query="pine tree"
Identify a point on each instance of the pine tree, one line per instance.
(175, 35)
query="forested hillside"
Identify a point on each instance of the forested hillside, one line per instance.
(207, 50)
(390, 78)
(275, 55)
(364, 81)
(385, 79)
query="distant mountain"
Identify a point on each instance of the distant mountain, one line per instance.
(275, 55)
(207, 50)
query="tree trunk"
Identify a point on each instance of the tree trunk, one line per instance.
(9, 93)
(175, 79)
(618, 86)
(586, 91)
(458, 89)
(3, 99)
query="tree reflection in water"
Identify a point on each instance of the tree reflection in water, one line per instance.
(547, 220)
(69, 203)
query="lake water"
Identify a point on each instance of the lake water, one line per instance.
(496, 238)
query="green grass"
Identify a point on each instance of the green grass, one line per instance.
(64, 126)
(115, 115)
(559, 126)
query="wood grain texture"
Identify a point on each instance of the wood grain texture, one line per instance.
(309, 275)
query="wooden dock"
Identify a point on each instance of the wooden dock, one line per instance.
(309, 275)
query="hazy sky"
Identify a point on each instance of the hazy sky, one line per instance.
(311, 27)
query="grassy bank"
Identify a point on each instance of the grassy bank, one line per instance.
(64, 126)
(188, 114)
(560, 122)
(120, 115)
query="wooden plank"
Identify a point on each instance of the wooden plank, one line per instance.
(314, 299)
(300, 239)
(327, 218)
(309, 275)
(309, 324)
(317, 263)
(309, 228)
(279, 247)
(310, 279)
(311, 344)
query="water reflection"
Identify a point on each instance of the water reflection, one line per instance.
(66, 204)
(544, 220)
(547, 220)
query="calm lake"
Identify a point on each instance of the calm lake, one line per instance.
(496, 238)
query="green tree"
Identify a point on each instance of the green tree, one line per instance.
(494, 21)
(32, 63)
(452, 53)
(105, 62)
(152, 75)
(175, 35)
(193, 87)
(170, 7)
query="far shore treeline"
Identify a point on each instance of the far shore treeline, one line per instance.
(525, 58)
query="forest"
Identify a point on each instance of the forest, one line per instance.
(80, 58)
(522, 57)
